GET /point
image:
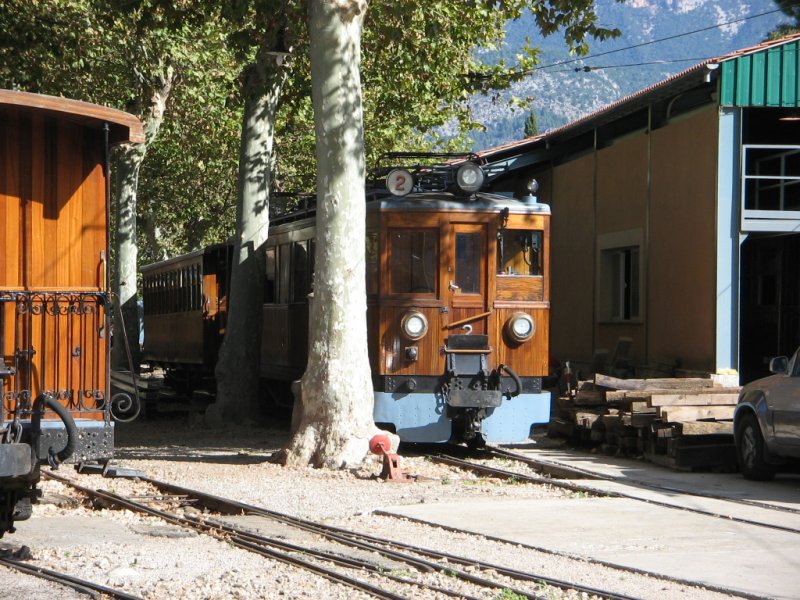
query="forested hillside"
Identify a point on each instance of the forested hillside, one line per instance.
(562, 92)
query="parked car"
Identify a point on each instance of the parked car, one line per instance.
(766, 423)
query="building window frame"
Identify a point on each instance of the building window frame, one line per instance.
(770, 187)
(621, 277)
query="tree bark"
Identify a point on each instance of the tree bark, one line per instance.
(125, 287)
(237, 370)
(335, 423)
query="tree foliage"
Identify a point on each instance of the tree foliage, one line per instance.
(791, 8)
(422, 63)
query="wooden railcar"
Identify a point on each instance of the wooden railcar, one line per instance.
(54, 321)
(458, 304)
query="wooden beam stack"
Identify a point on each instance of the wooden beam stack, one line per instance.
(684, 423)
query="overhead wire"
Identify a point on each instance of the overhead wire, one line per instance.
(590, 68)
(640, 45)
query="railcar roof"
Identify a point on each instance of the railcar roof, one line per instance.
(481, 202)
(189, 256)
(124, 127)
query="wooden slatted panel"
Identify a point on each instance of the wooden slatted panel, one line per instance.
(65, 220)
(93, 219)
(529, 359)
(9, 203)
(393, 343)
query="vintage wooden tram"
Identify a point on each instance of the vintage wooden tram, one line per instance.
(54, 321)
(457, 302)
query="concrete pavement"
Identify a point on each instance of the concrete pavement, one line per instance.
(761, 560)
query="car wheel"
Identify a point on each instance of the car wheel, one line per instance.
(750, 450)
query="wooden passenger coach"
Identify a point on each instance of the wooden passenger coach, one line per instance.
(185, 308)
(53, 279)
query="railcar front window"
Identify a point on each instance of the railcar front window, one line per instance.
(412, 262)
(519, 252)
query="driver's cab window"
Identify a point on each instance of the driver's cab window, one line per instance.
(519, 252)
(413, 256)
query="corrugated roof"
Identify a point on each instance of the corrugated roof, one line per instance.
(685, 75)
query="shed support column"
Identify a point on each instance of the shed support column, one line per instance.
(728, 243)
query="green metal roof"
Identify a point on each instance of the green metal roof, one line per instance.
(769, 77)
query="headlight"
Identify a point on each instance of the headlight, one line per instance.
(469, 177)
(414, 325)
(520, 327)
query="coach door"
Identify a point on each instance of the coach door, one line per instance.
(467, 277)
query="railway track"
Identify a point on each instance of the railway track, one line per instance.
(91, 589)
(346, 556)
(551, 475)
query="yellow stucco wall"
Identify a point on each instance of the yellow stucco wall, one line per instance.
(621, 208)
(571, 259)
(682, 304)
(674, 220)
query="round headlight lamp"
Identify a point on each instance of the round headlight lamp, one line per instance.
(469, 177)
(414, 325)
(520, 327)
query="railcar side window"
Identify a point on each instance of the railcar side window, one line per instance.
(519, 252)
(413, 257)
(372, 262)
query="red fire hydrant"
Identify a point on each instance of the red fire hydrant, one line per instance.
(381, 446)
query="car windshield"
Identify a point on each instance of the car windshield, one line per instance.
(794, 365)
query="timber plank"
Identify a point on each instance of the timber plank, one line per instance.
(695, 413)
(706, 427)
(692, 399)
(645, 384)
(614, 395)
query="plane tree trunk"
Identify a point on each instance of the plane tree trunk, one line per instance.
(128, 163)
(237, 370)
(333, 420)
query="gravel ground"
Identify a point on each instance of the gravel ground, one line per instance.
(146, 558)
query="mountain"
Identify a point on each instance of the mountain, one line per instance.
(562, 92)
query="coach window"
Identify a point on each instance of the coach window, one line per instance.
(198, 287)
(312, 249)
(183, 289)
(269, 285)
(299, 271)
(174, 299)
(413, 256)
(284, 272)
(519, 252)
